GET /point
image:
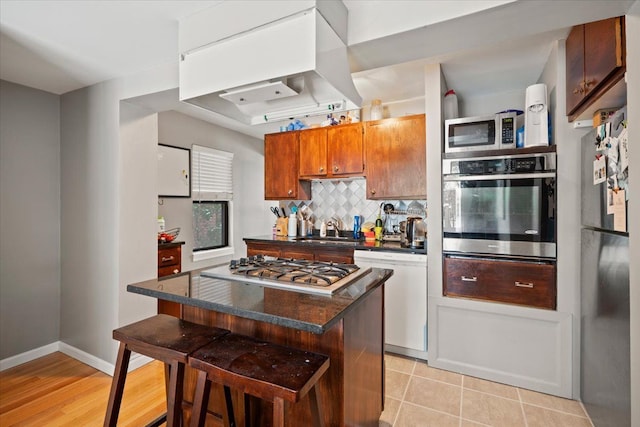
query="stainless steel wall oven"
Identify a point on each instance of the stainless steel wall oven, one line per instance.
(500, 205)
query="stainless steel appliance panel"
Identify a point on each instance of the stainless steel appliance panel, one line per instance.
(594, 197)
(605, 340)
(500, 205)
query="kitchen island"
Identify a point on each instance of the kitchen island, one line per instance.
(347, 326)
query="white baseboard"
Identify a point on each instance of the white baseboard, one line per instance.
(28, 356)
(136, 360)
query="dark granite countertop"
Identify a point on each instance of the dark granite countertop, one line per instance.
(389, 246)
(298, 310)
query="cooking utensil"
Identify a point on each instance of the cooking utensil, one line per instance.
(415, 208)
(388, 208)
(275, 211)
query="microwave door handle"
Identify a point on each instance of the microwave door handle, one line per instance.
(502, 176)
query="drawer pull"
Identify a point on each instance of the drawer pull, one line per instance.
(468, 279)
(169, 258)
(523, 285)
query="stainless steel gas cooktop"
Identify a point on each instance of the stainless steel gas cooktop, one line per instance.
(296, 274)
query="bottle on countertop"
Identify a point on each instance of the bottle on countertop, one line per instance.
(323, 229)
(161, 224)
(293, 223)
(356, 227)
(378, 227)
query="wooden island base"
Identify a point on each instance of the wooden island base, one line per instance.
(351, 391)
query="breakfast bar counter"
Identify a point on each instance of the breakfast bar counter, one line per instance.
(347, 325)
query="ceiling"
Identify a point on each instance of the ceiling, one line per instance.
(62, 45)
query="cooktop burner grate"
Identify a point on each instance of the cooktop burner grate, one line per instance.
(314, 273)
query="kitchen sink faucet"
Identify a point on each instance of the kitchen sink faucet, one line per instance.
(337, 224)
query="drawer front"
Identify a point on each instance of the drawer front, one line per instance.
(262, 249)
(294, 254)
(169, 257)
(167, 271)
(521, 283)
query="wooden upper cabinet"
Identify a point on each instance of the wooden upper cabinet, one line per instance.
(595, 60)
(281, 156)
(335, 151)
(396, 158)
(344, 144)
(313, 153)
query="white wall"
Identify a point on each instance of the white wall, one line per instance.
(29, 218)
(138, 209)
(567, 141)
(633, 110)
(90, 202)
(251, 215)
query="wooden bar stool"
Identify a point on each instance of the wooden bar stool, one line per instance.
(164, 338)
(265, 370)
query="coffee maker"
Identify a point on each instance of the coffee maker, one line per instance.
(536, 119)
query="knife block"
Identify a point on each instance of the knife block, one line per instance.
(282, 225)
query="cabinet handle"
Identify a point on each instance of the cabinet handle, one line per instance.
(321, 169)
(290, 192)
(588, 84)
(373, 191)
(169, 258)
(176, 271)
(578, 90)
(468, 279)
(336, 168)
(523, 285)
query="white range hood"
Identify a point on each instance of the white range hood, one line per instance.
(288, 63)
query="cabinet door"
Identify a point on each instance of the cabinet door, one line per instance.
(575, 67)
(603, 51)
(595, 59)
(281, 156)
(344, 144)
(396, 158)
(313, 153)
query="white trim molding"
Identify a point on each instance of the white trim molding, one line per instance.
(136, 361)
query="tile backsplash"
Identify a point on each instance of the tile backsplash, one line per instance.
(345, 199)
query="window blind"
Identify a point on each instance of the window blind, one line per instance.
(211, 174)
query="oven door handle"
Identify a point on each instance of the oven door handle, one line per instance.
(501, 176)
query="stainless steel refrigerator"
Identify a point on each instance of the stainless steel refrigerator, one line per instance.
(604, 277)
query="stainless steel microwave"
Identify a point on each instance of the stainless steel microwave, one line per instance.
(479, 133)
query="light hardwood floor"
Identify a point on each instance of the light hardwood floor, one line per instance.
(57, 390)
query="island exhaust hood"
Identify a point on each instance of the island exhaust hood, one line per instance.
(287, 67)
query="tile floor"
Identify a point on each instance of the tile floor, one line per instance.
(421, 396)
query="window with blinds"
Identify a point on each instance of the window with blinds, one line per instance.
(211, 174)
(211, 192)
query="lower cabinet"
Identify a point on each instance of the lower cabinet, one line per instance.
(308, 252)
(169, 263)
(516, 282)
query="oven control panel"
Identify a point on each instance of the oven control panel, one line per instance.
(500, 165)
